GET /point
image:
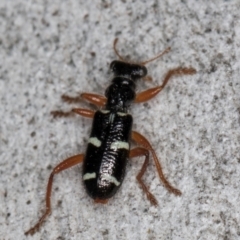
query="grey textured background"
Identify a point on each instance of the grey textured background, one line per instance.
(48, 48)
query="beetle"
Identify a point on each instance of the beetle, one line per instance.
(108, 149)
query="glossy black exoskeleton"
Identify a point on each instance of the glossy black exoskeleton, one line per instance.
(108, 148)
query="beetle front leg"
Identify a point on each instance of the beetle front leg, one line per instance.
(70, 162)
(152, 92)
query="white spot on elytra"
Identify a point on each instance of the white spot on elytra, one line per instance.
(105, 111)
(95, 141)
(110, 179)
(88, 176)
(119, 145)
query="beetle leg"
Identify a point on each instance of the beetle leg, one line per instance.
(57, 113)
(95, 99)
(137, 152)
(81, 111)
(69, 99)
(84, 112)
(143, 142)
(152, 92)
(67, 163)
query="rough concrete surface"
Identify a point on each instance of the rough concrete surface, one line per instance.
(50, 48)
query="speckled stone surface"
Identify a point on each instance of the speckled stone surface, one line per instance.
(50, 48)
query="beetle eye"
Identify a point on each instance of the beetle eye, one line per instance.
(113, 66)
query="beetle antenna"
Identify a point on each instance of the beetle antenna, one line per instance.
(158, 56)
(115, 49)
(142, 63)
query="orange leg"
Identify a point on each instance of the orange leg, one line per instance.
(57, 113)
(81, 111)
(137, 152)
(142, 141)
(84, 112)
(69, 99)
(152, 92)
(70, 162)
(95, 99)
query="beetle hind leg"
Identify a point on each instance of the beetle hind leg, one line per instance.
(70, 162)
(142, 141)
(137, 152)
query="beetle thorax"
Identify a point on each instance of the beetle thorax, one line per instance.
(120, 94)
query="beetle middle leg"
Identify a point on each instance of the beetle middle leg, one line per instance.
(69, 99)
(93, 98)
(70, 162)
(81, 111)
(143, 142)
(84, 112)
